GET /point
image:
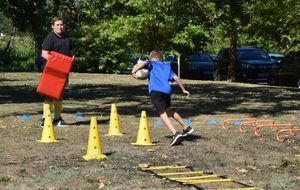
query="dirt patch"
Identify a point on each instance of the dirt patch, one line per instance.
(261, 162)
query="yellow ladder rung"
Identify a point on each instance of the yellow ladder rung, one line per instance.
(163, 167)
(180, 173)
(297, 155)
(183, 179)
(207, 181)
(246, 188)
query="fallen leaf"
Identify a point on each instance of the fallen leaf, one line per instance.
(252, 167)
(144, 165)
(151, 150)
(165, 156)
(242, 170)
(101, 185)
(101, 182)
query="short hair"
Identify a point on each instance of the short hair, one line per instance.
(154, 54)
(54, 19)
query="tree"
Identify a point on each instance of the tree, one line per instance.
(275, 24)
(231, 16)
(111, 29)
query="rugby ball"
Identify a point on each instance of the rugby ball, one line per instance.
(142, 74)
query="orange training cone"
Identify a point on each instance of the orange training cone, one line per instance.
(94, 150)
(114, 125)
(143, 136)
(48, 134)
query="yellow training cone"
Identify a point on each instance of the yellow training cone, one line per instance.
(48, 134)
(143, 136)
(114, 125)
(94, 150)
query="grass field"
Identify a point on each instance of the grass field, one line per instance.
(260, 162)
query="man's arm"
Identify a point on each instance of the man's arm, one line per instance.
(177, 79)
(45, 54)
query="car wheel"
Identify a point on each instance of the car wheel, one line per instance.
(216, 75)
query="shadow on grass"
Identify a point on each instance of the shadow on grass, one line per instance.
(187, 138)
(206, 98)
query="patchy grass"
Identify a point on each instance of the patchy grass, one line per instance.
(261, 162)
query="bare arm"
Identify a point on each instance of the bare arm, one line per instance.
(177, 79)
(45, 54)
(141, 64)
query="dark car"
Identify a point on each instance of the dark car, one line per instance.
(287, 72)
(277, 56)
(253, 64)
(200, 65)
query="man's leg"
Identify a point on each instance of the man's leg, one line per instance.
(57, 109)
(58, 121)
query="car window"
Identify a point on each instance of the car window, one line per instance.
(252, 55)
(200, 58)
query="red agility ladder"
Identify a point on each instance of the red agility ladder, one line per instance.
(53, 79)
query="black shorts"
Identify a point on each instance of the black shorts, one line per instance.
(160, 100)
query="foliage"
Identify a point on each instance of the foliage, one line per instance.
(21, 55)
(274, 24)
(109, 34)
(6, 24)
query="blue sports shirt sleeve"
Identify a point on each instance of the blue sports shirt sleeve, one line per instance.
(171, 77)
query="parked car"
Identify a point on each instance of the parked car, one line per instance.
(253, 64)
(277, 56)
(287, 72)
(200, 65)
(197, 65)
(214, 56)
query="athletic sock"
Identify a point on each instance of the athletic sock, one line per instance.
(57, 109)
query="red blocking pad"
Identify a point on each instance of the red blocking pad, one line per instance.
(59, 62)
(54, 76)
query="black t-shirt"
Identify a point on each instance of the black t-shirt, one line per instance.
(60, 44)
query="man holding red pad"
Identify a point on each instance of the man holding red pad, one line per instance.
(57, 49)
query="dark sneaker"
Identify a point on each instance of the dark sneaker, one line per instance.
(187, 131)
(42, 122)
(176, 138)
(59, 123)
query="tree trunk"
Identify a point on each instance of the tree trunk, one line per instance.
(231, 77)
(7, 50)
